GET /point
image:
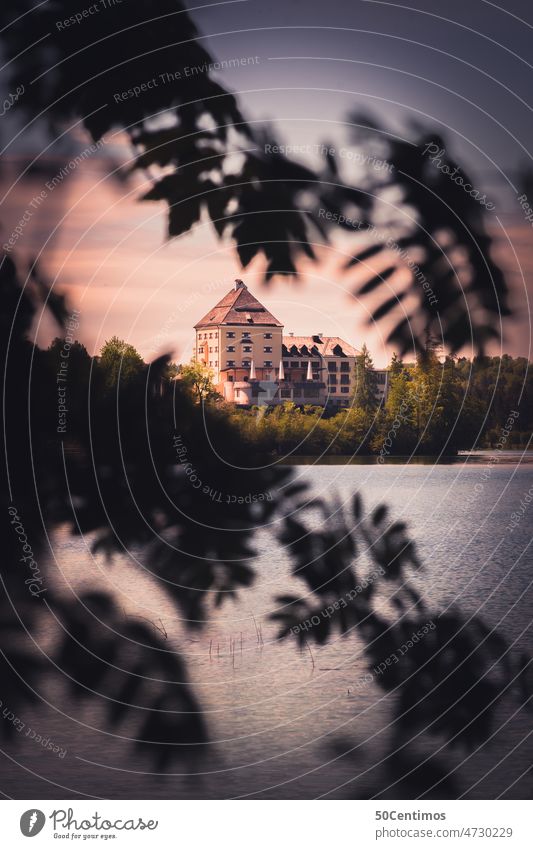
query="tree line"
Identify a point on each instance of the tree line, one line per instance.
(434, 405)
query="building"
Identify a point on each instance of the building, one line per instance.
(254, 363)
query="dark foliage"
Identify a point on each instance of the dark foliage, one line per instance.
(115, 475)
(448, 673)
(207, 158)
(437, 231)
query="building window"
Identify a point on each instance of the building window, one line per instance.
(267, 336)
(345, 378)
(246, 363)
(210, 335)
(295, 365)
(267, 349)
(230, 348)
(230, 363)
(245, 335)
(345, 366)
(285, 364)
(332, 379)
(332, 366)
(247, 349)
(230, 334)
(345, 389)
(381, 377)
(268, 363)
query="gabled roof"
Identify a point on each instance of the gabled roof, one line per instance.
(324, 346)
(238, 307)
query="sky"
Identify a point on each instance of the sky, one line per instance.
(461, 67)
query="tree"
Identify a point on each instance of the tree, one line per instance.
(366, 386)
(438, 395)
(68, 363)
(172, 370)
(119, 361)
(76, 354)
(397, 432)
(197, 378)
(396, 366)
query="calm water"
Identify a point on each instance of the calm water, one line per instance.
(275, 718)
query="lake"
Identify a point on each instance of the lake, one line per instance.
(280, 719)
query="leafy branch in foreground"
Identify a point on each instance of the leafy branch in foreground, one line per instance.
(203, 158)
(431, 248)
(448, 673)
(425, 246)
(114, 476)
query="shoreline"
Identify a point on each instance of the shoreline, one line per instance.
(509, 458)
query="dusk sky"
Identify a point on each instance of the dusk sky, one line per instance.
(462, 68)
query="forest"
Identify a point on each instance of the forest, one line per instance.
(435, 405)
